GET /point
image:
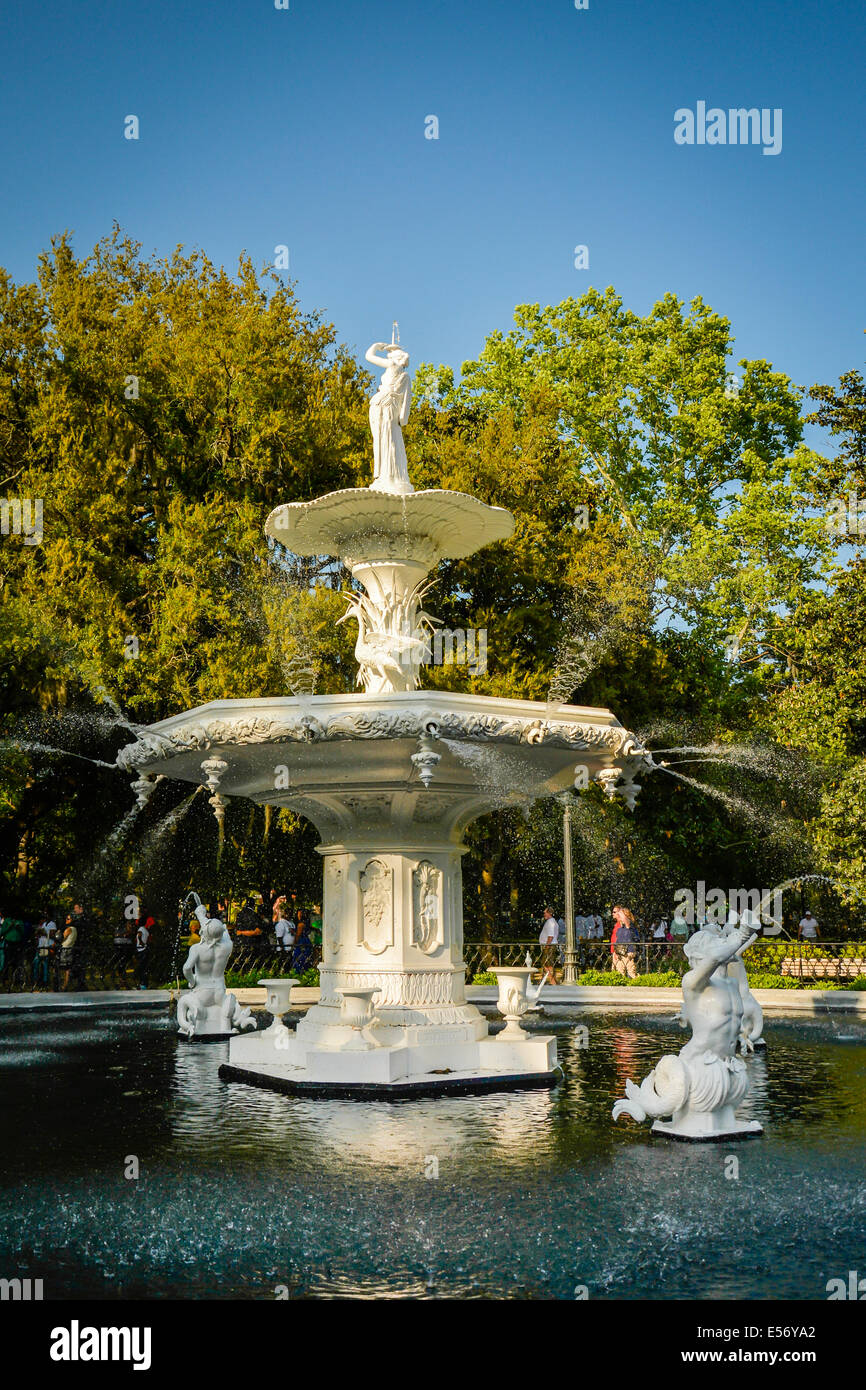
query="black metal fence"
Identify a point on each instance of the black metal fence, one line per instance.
(802, 960)
(97, 966)
(101, 967)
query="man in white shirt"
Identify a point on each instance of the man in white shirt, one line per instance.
(808, 929)
(548, 937)
(598, 930)
(285, 932)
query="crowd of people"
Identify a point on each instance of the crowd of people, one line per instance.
(53, 949)
(627, 936)
(50, 952)
(275, 922)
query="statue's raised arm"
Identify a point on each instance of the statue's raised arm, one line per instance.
(371, 355)
(715, 951)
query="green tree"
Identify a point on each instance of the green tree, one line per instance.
(819, 706)
(159, 408)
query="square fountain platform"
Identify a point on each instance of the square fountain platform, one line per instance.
(391, 1072)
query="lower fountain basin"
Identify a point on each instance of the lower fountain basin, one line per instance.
(518, 1196)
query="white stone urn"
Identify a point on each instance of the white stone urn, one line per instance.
(512, 1002)
(277, 1002)
(358, 1013)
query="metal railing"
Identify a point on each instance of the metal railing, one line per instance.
(806, 960)
(105, 967)
(98, 966)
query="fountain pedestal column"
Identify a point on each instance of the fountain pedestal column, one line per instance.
(392, 921)
(392, 929)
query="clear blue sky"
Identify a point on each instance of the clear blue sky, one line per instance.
(306, 127)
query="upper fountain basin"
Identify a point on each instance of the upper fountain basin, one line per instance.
(368, 523)
(340, 752)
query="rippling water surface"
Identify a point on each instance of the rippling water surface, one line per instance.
(243, 1190)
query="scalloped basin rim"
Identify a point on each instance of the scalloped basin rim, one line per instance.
(439, 701)
(337, 519)
(323, 721)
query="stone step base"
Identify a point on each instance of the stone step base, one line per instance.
(740, 1129)
(283, 1057)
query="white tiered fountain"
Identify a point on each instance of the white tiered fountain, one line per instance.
(391, 778)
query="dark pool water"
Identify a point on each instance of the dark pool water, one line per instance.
(243, 1190)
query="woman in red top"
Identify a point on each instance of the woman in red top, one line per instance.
(623, 958)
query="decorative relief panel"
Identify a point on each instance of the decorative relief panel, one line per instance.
(377, 907)
(426, 907)
(418, 988)
(333, 905)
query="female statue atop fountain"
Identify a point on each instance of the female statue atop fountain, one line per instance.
(389, 411)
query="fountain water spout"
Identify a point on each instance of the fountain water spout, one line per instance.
(426, 760)
(144, 787)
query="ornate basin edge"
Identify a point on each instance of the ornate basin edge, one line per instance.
(202, 734)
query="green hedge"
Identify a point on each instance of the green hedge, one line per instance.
(778, 949)
(670, 979)
(249, 979)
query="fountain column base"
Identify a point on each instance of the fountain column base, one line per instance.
(489, 1063)
(393, 939)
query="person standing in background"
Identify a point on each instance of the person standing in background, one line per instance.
(46, 933)
(142, 950)
(316, 927)
(547, 938)
(284, 930)
(303, 951)
(623, 941)
(68, 947)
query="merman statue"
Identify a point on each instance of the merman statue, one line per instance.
(207, 1009)
(702, 1087)
(752, 1026)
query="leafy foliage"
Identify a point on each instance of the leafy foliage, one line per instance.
(161, 407)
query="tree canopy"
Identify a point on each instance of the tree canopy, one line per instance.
(670, 561)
